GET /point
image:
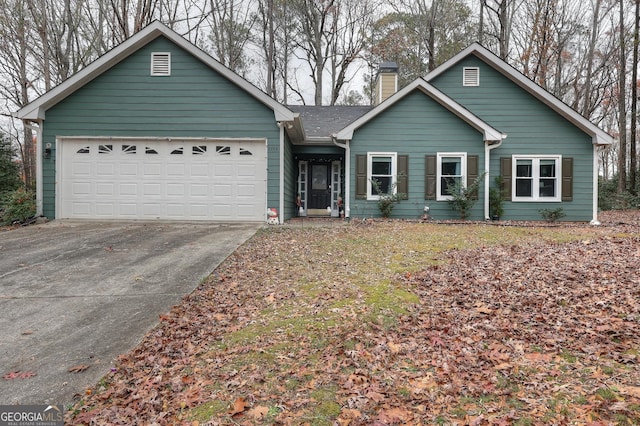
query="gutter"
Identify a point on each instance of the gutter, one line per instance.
(347, 175)
(281, 174)
(488, 147)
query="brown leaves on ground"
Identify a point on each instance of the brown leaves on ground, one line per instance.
(395, 323)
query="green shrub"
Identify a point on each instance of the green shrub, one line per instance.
(496, 198)
(464, 197)
(388, 200)
(552, 215)
(17, 206)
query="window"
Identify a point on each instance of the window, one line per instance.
(223, 150)
(129, 149)
(105, 149)
(451, 171)
(198, 149)
(160, 63)
(536, 178)
(245, 152)
(381, 169)
(178, 151)
(471, 76)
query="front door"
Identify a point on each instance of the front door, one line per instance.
(320, 191)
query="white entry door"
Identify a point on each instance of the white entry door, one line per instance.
(149, 179)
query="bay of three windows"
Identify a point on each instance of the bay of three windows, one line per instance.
(535, 178)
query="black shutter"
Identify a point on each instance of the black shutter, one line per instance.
(361, 177)
(472, 172)
(403, 176)
(431, 176)
(567, 179)
(505, 178)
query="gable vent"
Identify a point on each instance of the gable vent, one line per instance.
(161, 63)
(471, 77)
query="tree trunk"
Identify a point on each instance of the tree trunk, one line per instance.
(633, 168)
(622, 151)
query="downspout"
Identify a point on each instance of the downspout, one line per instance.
(347, 176)
(488, 147)
(596, 167)
(281, 203)
(39, 173)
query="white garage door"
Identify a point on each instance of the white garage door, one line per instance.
(162, 179)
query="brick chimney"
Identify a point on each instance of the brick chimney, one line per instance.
(386, 82)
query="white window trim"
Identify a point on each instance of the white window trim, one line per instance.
(154, 55)
(394, 172)
(536, 178)
(463, 166)
(464, 76)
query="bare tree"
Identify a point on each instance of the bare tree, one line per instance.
(501, 20)
(633, 168)
(18, 77)
(622, 151)
(231, 23)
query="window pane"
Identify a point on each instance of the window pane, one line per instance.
(384, 184)
(447, 185)
(451, 166)
(381, 166)
(547, 187)
(524, 187)
(547, 168)
(524, 168)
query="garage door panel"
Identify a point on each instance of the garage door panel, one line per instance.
(80, 169)
(105, 170)
(106, 210)
(155, 179)
(105, 189)
(129, 169)
(177, 170)
(176, 190)
(199, 190)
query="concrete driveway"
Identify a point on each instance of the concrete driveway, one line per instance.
(81, 293)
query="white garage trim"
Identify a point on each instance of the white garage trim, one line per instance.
(141, 178)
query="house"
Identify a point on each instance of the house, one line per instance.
(157, 129)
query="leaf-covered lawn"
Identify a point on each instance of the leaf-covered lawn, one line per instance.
(383, 323)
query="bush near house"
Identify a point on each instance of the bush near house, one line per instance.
(17, 206)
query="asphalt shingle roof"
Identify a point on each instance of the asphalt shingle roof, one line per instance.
(323, 121)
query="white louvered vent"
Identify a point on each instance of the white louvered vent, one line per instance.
(161, 63)
(471, 77)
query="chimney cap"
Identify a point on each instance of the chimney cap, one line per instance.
(388, 67)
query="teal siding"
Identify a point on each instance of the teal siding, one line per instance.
(532, 128)
(194, 101)
(415, 126)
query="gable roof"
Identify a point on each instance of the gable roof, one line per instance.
(36, 110)
(489, 133)
(598, 136)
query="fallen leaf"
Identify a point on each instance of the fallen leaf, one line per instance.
(18, 375)
(239, 405)
(259, 412)
(395, 348)
(78, 368)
